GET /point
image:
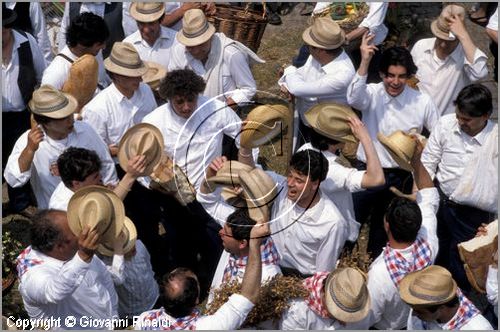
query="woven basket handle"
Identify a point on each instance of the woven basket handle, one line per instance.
(264, 7)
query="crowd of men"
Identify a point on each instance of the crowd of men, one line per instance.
(163, 86)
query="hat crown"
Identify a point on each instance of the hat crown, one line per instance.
(348, 290)
(327, 33)
(125, 55)
(148, 8)
(194, 23)
(443, 22)
(47, 99)
(405, 143)
(262, 124)
(331, 120)
(97, 211)
(434, 285)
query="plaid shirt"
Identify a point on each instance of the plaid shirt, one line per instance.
(466, 311)
(314, 285)
(165, 322)
(25, 262)
(235, 265)
(398, 266)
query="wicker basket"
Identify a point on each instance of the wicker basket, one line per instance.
(244, 25)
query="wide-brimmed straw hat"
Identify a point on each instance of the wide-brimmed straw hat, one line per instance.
(401, 147)
(131, 238)
(264, 123)
(331, 120)
(8, 15)
(440, 27)
(325, 34)
(433, 285)
(228, 174)
(195, 28)
(260, 191)
(154, 75)
(124, 60)
(346, 295)
(147, 11)
(101, 209)
(141, 139)
(52, 103)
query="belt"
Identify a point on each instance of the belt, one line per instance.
(291, 272)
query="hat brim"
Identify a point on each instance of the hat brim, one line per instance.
(146, 18)
(396, 154)
(306, 37)
(129, 72)
(66, 111)
(406, 294)
(438, 33)
(263, 124)
(312, 117)
(107, 249)
(154, 75)
(198, 40)
(123, 156)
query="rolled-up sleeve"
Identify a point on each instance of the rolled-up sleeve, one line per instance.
(12, 172)
(230, 315)
(358, 94)
(478, 69)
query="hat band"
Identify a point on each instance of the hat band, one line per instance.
(343, 307)
(316, 40)
(57, 107)
(147, 11)
(425, 297)
(196, 34)
(125, 65)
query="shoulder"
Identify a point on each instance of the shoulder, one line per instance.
(157, 115)
(423, 45)
(133, 38)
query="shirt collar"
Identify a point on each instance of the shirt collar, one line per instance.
(481, 136)
(115, 93)
(400, 99)
(456, 55)
(18, 39)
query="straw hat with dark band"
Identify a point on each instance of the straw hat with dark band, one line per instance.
(124, 60)
(52, 103)
(260, 191)
(131, 237)
(228, 174)
(147, 11)
(154, 75)
(325, 34)
(264, 123)
(331, 120)
(195, 28)
(440, 27)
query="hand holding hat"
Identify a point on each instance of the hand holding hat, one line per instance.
(88, 242)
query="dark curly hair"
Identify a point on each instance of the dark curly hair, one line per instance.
(404, 218)
(76, 164)
(310, 163)
(87, 29)
(240, 223)
(43, 233)
(183, 304)
(181, 82)
(397, 56)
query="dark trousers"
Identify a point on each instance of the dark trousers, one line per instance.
(370, 205)
(457, 223)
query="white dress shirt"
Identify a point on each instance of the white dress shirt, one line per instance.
(75, 288)
(161, 49)
(493, 21)
(492, 287)
(193, 143)
(449, 150)
(230, 316)
(57, 73)
(60, 197)
(386, 114)
(339, 185)
(477, 322)
(40, 176)
(374, 21)
(111, 114)
(443, 79)
(12, 101)
(388, 311)
(134, 281)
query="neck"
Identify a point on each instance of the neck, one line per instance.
(440, 53)
(397, 245)
(78, 51)
(447, 314)
(310, 201)
(126, 92)
(7, 42)
(55, 136)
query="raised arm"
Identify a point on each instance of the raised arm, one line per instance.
(135, 169)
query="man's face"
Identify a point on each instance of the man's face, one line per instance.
(60, 128)
(425, 315)
(184, 106)
(200, 52)
(395, 80)
(300, 188)
(446, 46)
(471, 125)
(126, 83)
(231, 245)
(94, 179)
(68, 243)
(150, 31)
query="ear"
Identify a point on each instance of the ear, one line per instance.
(243, 244)
(75, 185)
(386, 226)
(315, 185)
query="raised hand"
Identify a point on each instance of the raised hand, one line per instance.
(136, 166)
(87, 243)
(35, 136)
(358, 128)
(367, 48)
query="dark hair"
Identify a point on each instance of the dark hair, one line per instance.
(310, 163)
(75, 164)
(397, 56)
(474, 100)
(183, 304)
(450, 304)
(43, 233)
(240, 223)
(181, 82)
(404, 218)
(87, 29)
(41, 119)
(321, 142)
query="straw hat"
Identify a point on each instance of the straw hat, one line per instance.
(346, 295)
(101, 209)
(82, 79)
(228, 174)
(195, 28)
(154, 75)
(440, 27)
(131, 238)
(260, 191)
(330, 120)
(8, 15)
(430, 286)
(124, 60)
(264, 123)
(147, 11)
(325, 34)
(52, 103)
(143, 138)
(400, 146)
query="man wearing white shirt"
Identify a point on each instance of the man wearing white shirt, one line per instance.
(462, 156)
(413, 245)
(60, 276)
(449, 61)
(492, 32)
(386, 107)
(152, 41)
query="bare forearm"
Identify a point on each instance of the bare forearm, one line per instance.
(374, 175)
(124, 186)
(422, 178)
(493, 34)
(469, 47)
(363, 67)
(245, 156)
(26, 159)
(356, 33)
(253, 272)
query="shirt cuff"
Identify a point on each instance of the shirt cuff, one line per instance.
(427, 195)
(355, 181)
(359, 79)
(243, 304)
(210, 198)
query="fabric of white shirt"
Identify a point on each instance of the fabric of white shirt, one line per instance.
(493, 21)
(37, 19)
(388, 311)
(443, 80)
(449, 150)
(374, 21)
(128, 22)
(73, 288)
(12, 101)
(476, 323)
(237, 78)
(230, 315)
(57, 72)
(60, 197)
(111, 114)
(42, 181)
(134, 281)
(193, 143)
(161, 49)
(339, 185)
(492, 287)
(300, 317)
(386, 114)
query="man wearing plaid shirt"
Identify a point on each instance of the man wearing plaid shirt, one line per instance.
(413, 245)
